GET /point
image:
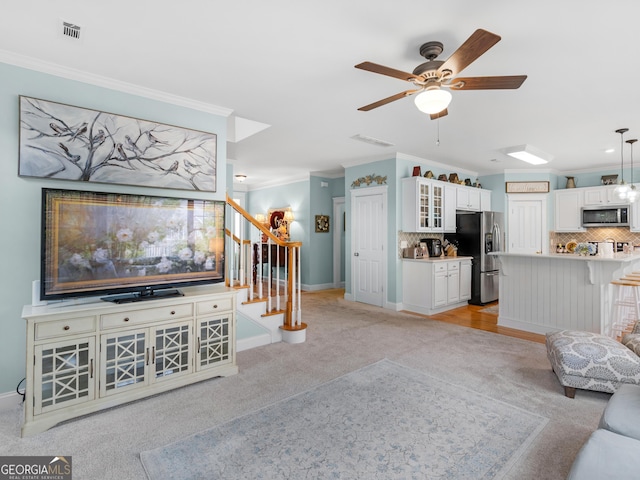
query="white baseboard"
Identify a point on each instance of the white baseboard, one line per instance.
(253, 342)
(525, 326)
(9, 400)
(348, 296)
(314, 288)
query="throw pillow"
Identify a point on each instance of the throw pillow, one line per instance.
(632, 342)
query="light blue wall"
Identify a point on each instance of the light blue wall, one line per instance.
(20, 197)
(321, 244)
(297, 196)
(383, 168)
(593, 179)
(307, 199)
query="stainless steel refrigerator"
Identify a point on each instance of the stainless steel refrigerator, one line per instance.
(477, 235)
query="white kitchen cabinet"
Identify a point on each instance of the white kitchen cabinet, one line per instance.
(422, 205)
(86, 357)
(603, 195)
(450, 192)
(634, 221)
(567, 206)
(453, 282)
(465, 280)
(485, 200)
(434, 286)
(468, 198)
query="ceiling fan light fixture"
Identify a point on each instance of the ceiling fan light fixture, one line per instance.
(433, 100)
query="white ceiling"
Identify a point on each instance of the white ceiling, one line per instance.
(290, 64)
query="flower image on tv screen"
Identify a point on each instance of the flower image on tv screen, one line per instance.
(97, 243)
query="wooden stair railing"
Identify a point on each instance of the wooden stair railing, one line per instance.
(247, 255)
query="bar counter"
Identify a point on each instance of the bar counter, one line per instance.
(542, 293)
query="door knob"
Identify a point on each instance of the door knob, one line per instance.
(356, 254)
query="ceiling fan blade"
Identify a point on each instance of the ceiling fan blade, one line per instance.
(488, 83)
(390, 99)
(478, 43)
(382, 70)
(435, 116)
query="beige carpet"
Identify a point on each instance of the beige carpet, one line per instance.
(342, 337)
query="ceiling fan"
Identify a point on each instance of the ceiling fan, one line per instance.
(430, 77)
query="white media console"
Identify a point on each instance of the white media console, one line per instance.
(87, 357)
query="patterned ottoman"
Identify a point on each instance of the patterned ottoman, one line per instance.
(591, 361)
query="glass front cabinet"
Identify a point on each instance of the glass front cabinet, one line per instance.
(84, 358)
(422, 205)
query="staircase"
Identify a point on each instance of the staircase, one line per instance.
(265, 270)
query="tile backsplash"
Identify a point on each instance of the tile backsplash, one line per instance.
(619, 234)
(413, 238)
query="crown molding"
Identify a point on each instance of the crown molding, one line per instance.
(50, 68)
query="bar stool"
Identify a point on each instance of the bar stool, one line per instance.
(625, 305)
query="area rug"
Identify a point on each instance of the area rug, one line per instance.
(493, 309)
(383, 421)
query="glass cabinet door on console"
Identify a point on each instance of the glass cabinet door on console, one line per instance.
(213, 344)
(135, 358)
(65, 371)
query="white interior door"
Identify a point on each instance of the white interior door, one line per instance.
(527, 223)
(369, 233)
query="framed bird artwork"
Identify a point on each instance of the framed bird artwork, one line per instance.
(73, 143)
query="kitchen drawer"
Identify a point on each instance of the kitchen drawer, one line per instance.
(453, 266)
(65, 327)
(440, 267)
(122, 319)
(209, 307)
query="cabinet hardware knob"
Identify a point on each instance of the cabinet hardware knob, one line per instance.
(126, 319)
(66, 327)
(215, 306)
(173, 312)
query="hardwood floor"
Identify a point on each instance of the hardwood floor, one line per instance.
(473, 316)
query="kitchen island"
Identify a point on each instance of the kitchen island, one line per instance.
(543, 293)
(435, 284)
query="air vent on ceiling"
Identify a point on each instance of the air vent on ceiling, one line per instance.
(372, 141)
(70, 30)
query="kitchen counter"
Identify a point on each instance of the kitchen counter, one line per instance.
(542, 293)
(435, 284)
(436, 259)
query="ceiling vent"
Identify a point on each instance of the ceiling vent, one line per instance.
(372, 141)
(70, 30)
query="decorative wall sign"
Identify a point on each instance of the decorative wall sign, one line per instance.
(368, 180)
(322, 223)
(527, 187)
(72, 143)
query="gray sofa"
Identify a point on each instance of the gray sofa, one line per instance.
(613, 450)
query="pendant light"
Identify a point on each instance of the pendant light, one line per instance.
(632, 194)
(621, 190)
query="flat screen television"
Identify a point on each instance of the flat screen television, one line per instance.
(138, 246)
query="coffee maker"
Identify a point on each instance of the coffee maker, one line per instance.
(434, 246)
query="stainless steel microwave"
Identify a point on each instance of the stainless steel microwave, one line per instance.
(605, 216)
